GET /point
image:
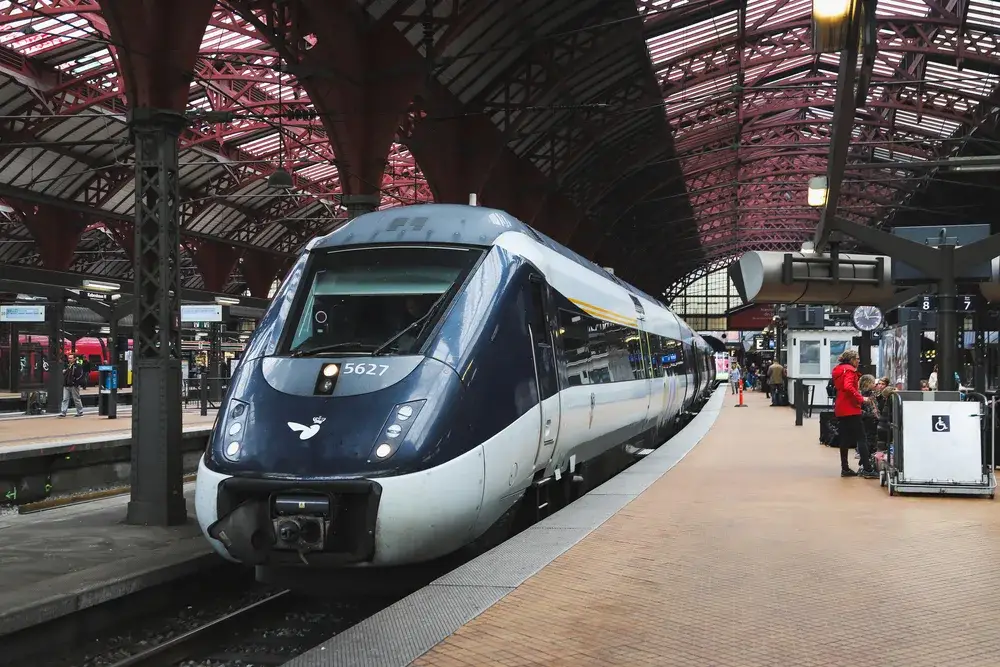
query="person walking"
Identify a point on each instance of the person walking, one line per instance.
(73, 379)
(775, 379)
(848, 409)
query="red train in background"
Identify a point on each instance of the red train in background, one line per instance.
(34, 357)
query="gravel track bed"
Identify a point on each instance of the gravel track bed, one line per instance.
(296, 626)
(110, 647)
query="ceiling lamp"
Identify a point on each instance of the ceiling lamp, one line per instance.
(280, 179)
(227, 301)
(831, 20)
(100, 286)
(817, 191)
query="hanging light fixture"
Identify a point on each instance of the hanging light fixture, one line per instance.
(280, 179)
(831, 20)
(817, 191)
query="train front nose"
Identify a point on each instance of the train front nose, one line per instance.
(365, 474)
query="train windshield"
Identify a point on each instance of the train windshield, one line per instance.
(381, 300)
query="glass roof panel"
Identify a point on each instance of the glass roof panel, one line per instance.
(938, 126)
(671, 45)
(980, 84)
(796, 9)
(700, 94)
(902, 8)
(984, 13)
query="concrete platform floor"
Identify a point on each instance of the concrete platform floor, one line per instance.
(753, 551)
(38, 431)
(88, 391)
(59, 561)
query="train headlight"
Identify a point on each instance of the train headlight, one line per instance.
(326, 380)
(394, 431)
(235, 427)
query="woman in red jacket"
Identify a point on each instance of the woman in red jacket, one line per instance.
(847, 409)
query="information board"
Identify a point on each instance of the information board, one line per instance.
(201, 312)
(18, 313)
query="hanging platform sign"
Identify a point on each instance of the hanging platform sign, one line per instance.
(201, 312)
(17, 313)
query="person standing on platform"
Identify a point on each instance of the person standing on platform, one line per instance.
(734, 377)
(848, 408)
(775, 378)
(73, 379)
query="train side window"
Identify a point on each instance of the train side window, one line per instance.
(672, 357)
(655, 355)
(618, 349)
(544, 353)
(573, 335)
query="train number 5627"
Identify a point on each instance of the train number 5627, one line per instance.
(364, 369)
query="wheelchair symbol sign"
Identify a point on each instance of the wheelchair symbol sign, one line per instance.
(941, 423)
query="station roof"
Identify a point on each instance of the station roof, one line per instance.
(689, 128)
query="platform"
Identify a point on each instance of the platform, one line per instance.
(12, 403)
(67, 559)
(751, 551)
(28, 436)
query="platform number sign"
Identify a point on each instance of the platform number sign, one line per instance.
(963, 303)
(941, 423)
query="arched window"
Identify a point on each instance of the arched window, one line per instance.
(703, 297)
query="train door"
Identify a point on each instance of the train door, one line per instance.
(647, 368)
(698, 372)
(541, 322)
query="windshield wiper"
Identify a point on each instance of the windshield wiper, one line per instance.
(410, 327)
(327, 348)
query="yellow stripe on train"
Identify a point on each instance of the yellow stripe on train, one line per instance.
(605, 314)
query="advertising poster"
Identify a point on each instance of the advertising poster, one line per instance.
(722, 366)
(893, 355)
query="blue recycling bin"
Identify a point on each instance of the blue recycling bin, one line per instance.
(107, 399)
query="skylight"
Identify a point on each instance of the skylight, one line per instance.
(902, 8)
(984, 13)
(674, 44)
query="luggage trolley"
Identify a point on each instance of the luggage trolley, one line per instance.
(941, 444)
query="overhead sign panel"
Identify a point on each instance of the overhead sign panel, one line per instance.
(958, 235)
(201, 312)
(17, 313)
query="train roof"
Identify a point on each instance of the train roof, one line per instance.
(452, 223)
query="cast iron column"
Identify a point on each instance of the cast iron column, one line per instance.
(113, 357)
(15, 357)
(157, 492)
(865, 354)
(947, 326)
(54, 381)
(360, 204)
(979, 321)
(215, 362)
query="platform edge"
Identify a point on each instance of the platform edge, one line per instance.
(406, 630)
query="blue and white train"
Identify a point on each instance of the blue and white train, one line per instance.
(420, 372)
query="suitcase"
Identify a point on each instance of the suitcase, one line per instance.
(828, 429)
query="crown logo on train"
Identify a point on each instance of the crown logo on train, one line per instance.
(319, 420)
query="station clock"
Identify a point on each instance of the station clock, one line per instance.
(867, 318)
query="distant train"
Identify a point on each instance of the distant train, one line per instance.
(93, 351)
(34, 351)
(419, 375)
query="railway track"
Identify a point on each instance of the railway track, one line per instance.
(270, 631)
